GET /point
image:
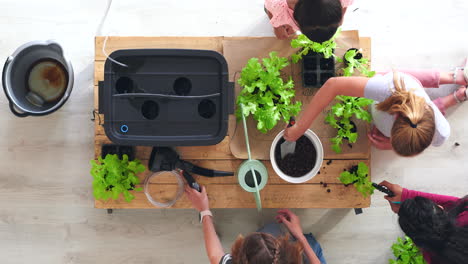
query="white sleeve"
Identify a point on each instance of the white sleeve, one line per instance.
(442, 127)
(378, 88)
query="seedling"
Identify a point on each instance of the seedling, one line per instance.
(265, 95)
(359, 177)
(344, 111)
(114, 176)
(326, 48)
(353, 59)
(406, 252)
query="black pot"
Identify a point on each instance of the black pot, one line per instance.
(356, 57)
(53, 81)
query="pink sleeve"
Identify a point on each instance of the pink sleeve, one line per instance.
(438, 199)
(346, 3)
(280, 13)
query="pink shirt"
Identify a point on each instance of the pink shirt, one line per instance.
(283, 15)
(442, 200)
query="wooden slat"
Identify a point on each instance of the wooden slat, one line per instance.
(329, 172)
(273, 196)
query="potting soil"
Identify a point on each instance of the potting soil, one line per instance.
(300, 162)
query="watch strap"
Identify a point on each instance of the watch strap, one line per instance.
(205, 213)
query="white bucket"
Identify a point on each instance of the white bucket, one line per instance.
(318, 162)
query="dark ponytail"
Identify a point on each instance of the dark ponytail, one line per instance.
(435, 229)
(318, 19)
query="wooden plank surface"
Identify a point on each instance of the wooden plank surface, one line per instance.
(224, 192)
(329, 172)
(273, 196)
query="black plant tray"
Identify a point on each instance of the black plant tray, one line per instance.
(316, 70)
(166, 97)
(119, 150)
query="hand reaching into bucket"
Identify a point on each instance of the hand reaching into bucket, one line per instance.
(199, 199)
(291, 221)
(292, 133)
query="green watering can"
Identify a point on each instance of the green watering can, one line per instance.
(252, 174)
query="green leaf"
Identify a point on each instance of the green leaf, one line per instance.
(265, 95)
(112, 176)
(347, 178)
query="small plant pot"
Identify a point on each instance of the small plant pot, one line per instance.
(356, 57)
(304, 164)
(316, 70)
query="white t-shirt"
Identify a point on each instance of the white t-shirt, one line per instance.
(380, 87)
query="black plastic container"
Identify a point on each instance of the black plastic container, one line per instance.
(119, 150)
(316, 70)
(166, 97)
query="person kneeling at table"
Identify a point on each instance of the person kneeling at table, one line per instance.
(269, 245)
(437, 224)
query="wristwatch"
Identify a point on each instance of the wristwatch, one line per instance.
(205, 213)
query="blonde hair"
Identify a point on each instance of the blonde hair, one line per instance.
(264, 248)
(414, 126)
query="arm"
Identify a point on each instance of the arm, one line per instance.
(349, 86)
(438, 199)
(213, 246)
(292, 222)
(313, 259)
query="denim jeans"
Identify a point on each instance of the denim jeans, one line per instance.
(279, 230)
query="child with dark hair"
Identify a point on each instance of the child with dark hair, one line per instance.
(317, 19)
(437, 224)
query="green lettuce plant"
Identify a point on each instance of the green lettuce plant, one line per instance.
(406, 252)
(340, 115)
(113, 176)
(265, 95)
(353, 60)
(326, 48)
(359, 177)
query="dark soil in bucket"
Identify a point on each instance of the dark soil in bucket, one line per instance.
(300, 162)
(249, 179)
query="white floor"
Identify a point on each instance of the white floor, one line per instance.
(46, 205)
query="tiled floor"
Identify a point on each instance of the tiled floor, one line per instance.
(46, 205)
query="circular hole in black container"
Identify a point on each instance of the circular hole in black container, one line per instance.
(182, 86)
(124, 85)
(150, 109)
(206, 108)
(249, 179)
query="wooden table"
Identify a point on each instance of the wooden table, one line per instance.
(225, 192)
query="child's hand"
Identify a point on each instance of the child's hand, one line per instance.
(292, 133)
(283, 32)
(379, 140)
(393, 201)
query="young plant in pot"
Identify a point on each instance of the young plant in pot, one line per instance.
(359, 177)
(113, 176)
(265, 95)
(340, 115)
(352, 60)
(318, 60)
(406, 252)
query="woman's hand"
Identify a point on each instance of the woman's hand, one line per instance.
(397, 190)
(291, 221)
(292, 133)
(379, 140)
(199, 199)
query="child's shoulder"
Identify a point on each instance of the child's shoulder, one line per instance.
(273, 5)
